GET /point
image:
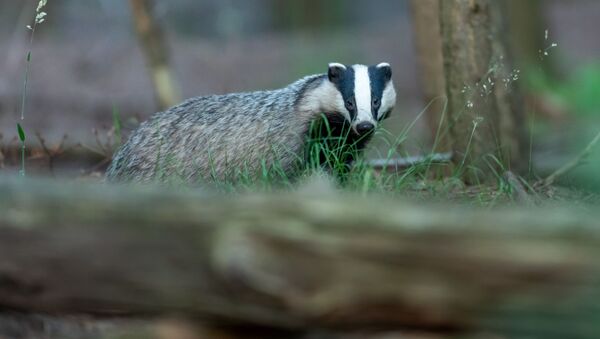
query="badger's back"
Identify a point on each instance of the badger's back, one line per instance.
(218, 137)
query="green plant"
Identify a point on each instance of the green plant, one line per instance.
(40, 17)
(21, 133)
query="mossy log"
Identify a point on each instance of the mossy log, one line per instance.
(294, 261)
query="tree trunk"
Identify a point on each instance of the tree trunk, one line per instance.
(483, 105)
(511, 107)
(155, 49)
(428, 43)
(297, 262)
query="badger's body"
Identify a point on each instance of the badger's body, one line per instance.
(224, 136)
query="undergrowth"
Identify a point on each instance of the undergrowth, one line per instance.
(330, 156)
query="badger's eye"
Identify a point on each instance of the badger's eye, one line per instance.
(376, 103)
(350, 104)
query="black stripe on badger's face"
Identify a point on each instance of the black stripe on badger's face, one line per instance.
(342, 78)
(380, 77)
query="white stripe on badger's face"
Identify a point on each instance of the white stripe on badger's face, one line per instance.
(388, 100)
(362, 95)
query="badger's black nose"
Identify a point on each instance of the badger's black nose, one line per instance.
(364, 128)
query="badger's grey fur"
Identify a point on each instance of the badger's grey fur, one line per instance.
(222, 136)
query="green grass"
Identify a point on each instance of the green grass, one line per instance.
(426, 181)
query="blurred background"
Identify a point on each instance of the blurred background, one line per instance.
(87, 64)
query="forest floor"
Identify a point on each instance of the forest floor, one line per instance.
(95, 87)
(85, 164)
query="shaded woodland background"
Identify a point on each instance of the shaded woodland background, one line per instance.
(517, 260)
(87, 62)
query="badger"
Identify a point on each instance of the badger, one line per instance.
(220, 137)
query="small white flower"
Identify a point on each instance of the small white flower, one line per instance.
(40, 17)
(41, 5)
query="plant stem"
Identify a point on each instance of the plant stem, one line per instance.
(27, 65)
(573, 163)
(22, 171)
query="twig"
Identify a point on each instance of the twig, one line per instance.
(51, 154)
(403, 163)
(551, 179)
(155, 48)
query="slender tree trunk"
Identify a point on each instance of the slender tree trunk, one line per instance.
(155, 49)
(428, 43)
(483, 112)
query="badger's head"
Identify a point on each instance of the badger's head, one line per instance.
(365, 94)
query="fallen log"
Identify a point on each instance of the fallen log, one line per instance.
(296, 262)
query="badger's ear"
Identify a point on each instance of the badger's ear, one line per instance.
(335, 71)
(386, 70)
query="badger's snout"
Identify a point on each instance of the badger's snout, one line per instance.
(364, 128)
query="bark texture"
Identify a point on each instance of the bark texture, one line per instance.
(485, 114)
(297, 262)
(428, 43)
